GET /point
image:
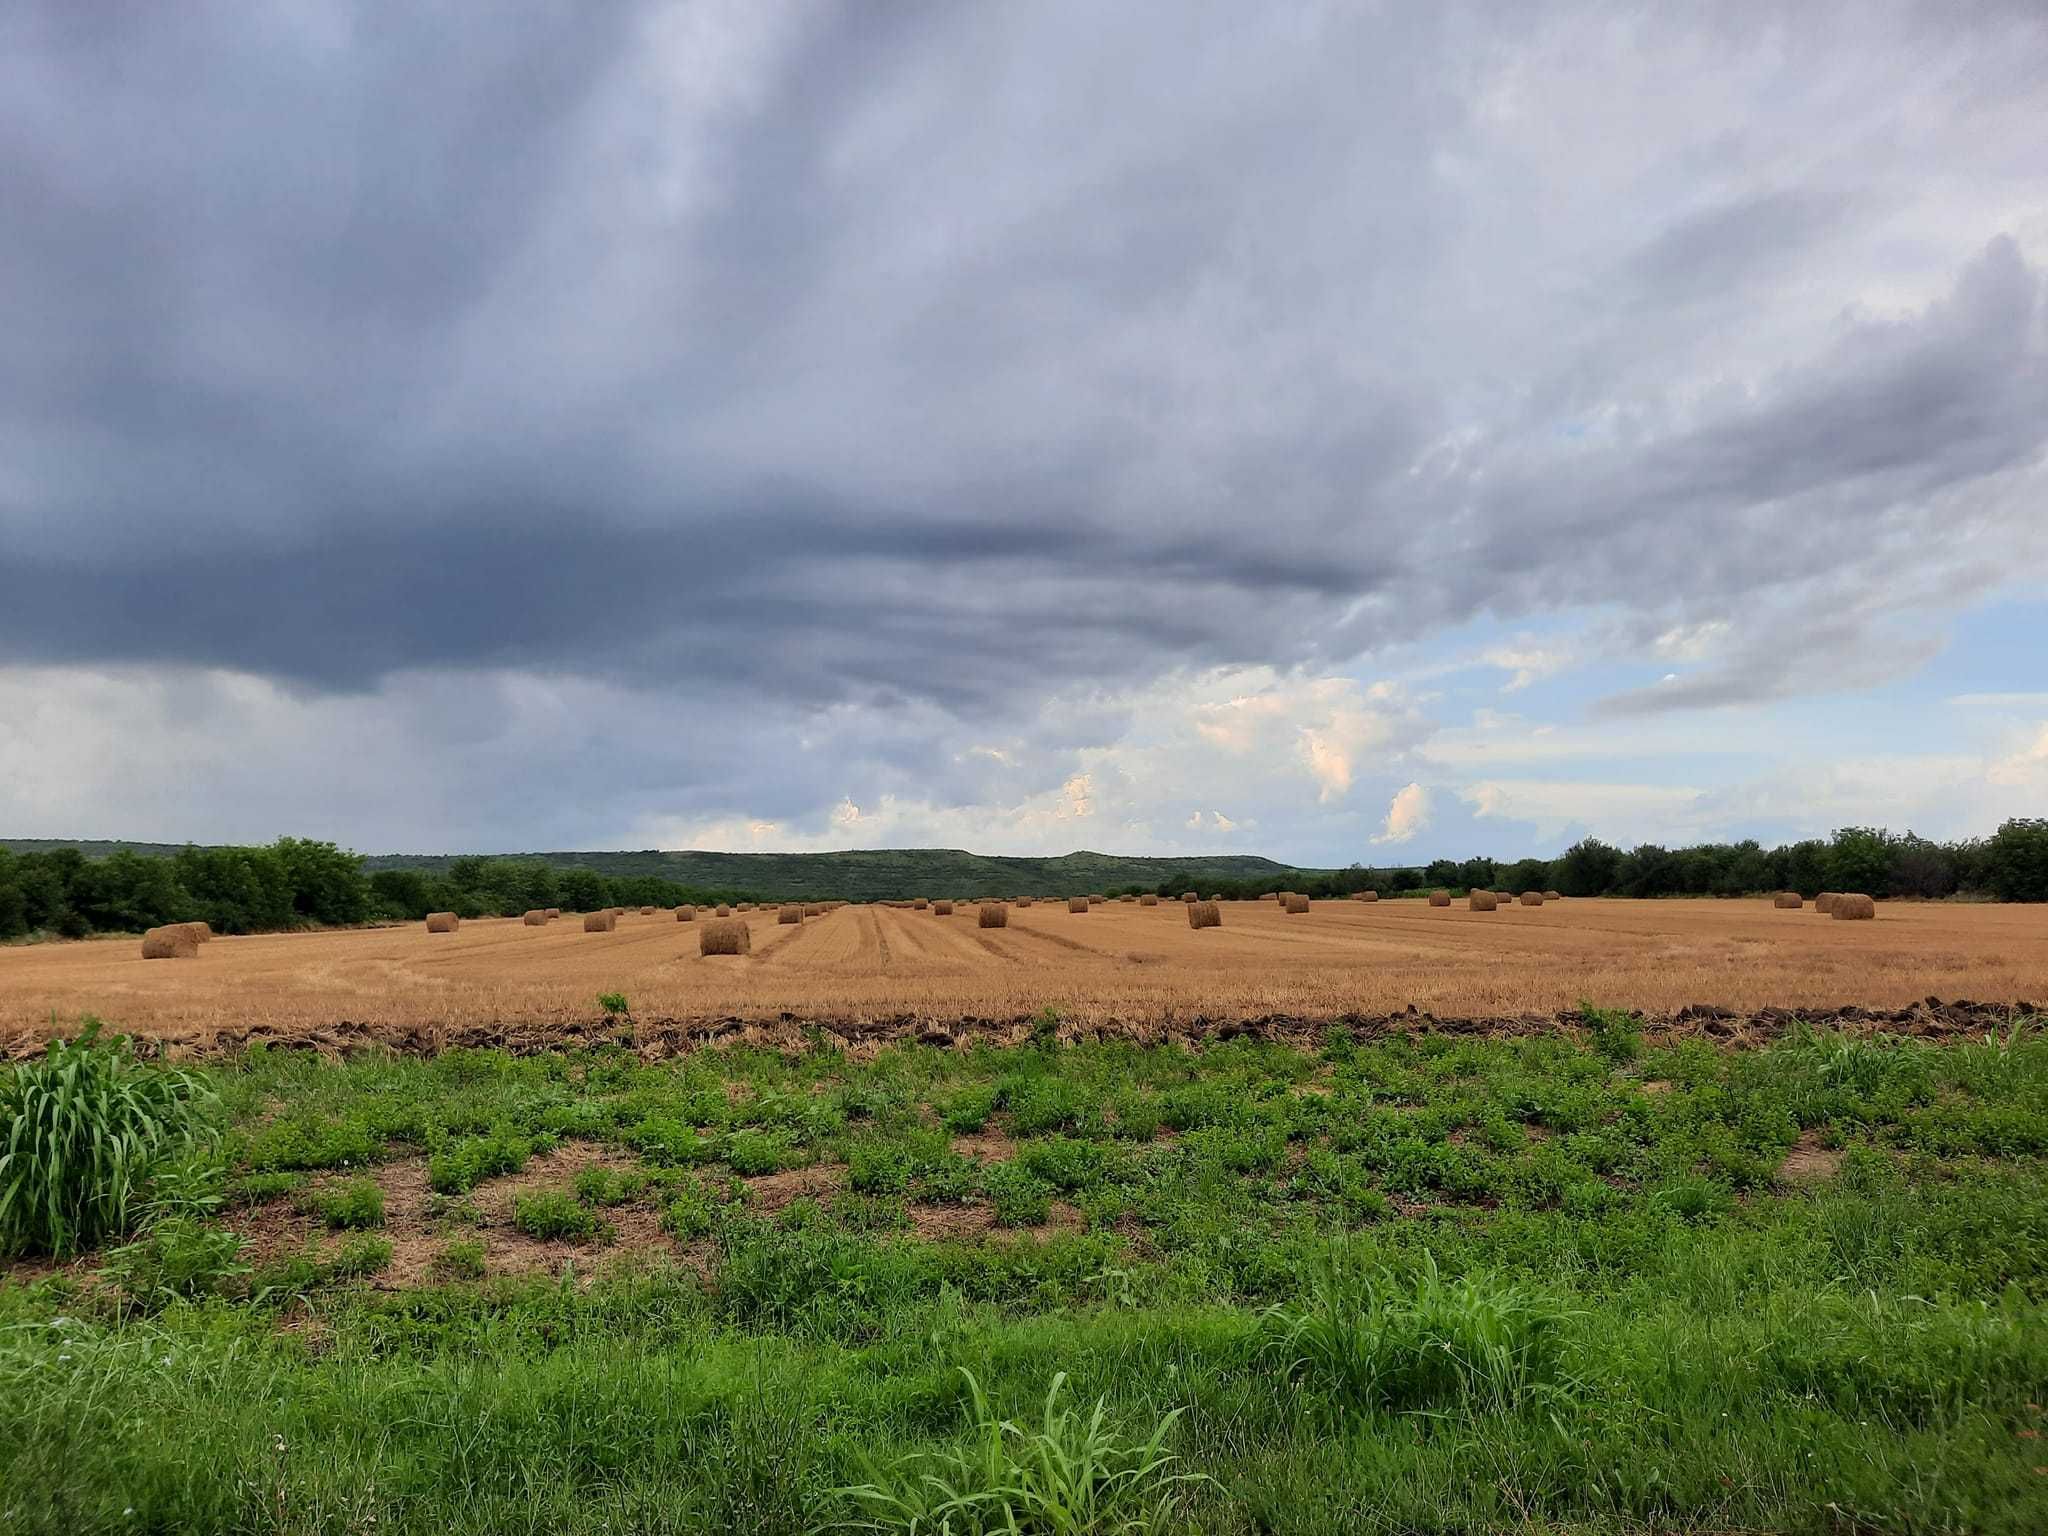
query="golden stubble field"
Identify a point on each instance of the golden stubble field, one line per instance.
(1116, 962)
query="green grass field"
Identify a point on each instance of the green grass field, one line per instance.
(1574, 1283)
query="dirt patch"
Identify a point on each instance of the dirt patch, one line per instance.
(770, 1192)
(1655, 1087)
(940, 1223)
(985, 1146)
(1809, 1162)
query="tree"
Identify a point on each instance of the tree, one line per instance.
(1860, 859)
(2016, 860)
(584, 890)
(1587, 868)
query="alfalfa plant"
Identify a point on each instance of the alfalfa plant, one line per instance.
(82, 1132)
(1070, 1476)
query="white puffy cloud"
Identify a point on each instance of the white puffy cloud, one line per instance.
(1407, 814)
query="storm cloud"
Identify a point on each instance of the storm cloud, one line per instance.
(842, 389)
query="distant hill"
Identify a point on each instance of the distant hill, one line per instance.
(862, 875)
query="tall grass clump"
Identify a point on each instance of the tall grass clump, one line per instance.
(1070, 1476)
(1377, 1340)
(81, 1132)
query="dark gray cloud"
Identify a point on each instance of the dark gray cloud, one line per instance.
(929, 361)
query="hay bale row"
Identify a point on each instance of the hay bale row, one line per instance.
(1853, 906)
(726, 936)
(173, 941)
(1789, 900)
(1204, 914)
(599, 922)
(1295, 902)
(442, 922)
(1482, 901)
(1439, 898)
(994, 915)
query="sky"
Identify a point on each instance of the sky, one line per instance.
(1348, 433)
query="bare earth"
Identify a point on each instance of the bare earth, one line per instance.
(1116, 963)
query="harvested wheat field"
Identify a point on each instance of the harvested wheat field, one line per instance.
(1124, 963)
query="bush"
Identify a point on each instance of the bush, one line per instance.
(1020, 1199)
(459, 1168)
(358, 1203)
(553, 1215)
(1375, 1340)
(1069, 1475)
(82, 1130)
(179, 1258)
(463, 1259)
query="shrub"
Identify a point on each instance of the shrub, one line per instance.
(84, 1128)
(749, 1153)
(362, 1255)
(179, 1258)
(463, 1259)
(1070, 1476)
(1020, 1199)
(613, 1004)
(1375, 1340)
(609, 1186)
(460, 1167)
(1616, 1034)
(358, 1203)
(552, 1215)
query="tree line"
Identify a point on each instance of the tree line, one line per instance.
(299, 883)
(292, 883)
(2010, 865)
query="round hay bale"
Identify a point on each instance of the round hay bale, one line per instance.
(1854, 906)
(686, 914)
(201, 932)
(536, 918)
(170, 943)
(1789, 900)
(553, 913)
(647, 911)
(1204, 914)
(1365, 895)
(1094, 900)
(1825, 901)
(1482, 901)
(1270, 896)
(1148, 900)
(1190, 896)
(919, 905)
(442, 922)
(942, 909)
(723, 911)
(1025, 901)
(994, 915)
(814, 909)
(1532, 898)
(1295, 902)
(1077, 903)
(1127, 897)
(1439, 898)
(790, 915)
(1552, 896)
(729, 936)
(1503, 895)
(1217, 897)
(599, 922)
